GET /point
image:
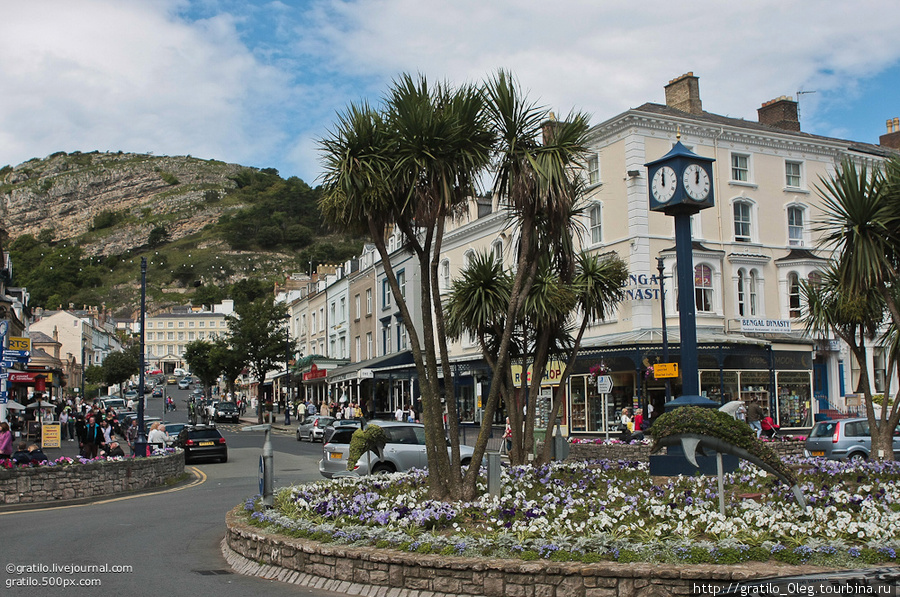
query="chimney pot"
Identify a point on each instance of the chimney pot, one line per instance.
(892, 138)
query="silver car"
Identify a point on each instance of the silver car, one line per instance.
(844, 439)
(405, 449)
(312, 428)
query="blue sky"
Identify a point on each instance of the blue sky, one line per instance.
(258, 82)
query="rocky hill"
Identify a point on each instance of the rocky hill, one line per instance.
(66, 192)
(79, 224)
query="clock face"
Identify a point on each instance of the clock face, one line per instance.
(663, 185)
(696, 182)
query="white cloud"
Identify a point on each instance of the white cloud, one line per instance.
(257, 81)
(112, 74)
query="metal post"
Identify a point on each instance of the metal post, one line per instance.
(493, 473)
(721, 474)
(140, 444)
(687, 317)
(269, 464)
(660, 267)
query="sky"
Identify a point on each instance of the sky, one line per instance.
(259, 82)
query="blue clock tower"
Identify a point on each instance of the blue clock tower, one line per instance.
(681, 186)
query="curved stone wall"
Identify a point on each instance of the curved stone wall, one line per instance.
(373, 571)
(47, 484)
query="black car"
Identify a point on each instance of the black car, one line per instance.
(202, 441)
(227, 411)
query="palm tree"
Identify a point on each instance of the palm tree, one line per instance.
(413, 166)
(862, 225)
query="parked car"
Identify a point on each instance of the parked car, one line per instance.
(312, 427)
(113, 402)
(227, 411)
(844, 439)
(405, 449)
(202, 441)
(131, 395)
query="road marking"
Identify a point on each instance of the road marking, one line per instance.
(199, 478)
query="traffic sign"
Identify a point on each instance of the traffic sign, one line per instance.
(16, 354)
(604, 384)
(665, 370)
(8, 364)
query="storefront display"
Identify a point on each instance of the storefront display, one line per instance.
(586, 414)
(794, 390)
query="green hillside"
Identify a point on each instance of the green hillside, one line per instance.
(256, 230)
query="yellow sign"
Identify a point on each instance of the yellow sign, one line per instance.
(664, 370)
(552, 373)
(50, 437)
(19, 343)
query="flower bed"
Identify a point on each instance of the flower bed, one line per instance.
(612, 511)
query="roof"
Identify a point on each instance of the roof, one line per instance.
(716, 119)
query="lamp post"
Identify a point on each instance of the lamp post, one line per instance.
(660, 267)
(140, 443)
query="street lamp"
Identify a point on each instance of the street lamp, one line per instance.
(665, 333)
(140, 443)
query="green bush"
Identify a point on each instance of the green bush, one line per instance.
(169, 178)
(715, 423)
(371, 438)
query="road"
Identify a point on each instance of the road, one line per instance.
(171, 540)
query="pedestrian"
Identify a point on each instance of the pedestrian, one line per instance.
(5, 440)
(639, 420)
(399, 413)
(627, 421)
(115, 450)
(287, 413)
(93, 436)
(157, 436)
(754, 416)
(64, 424)
(131, 433)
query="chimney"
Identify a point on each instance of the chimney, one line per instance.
(780, 113)
(683, 93)
(892, 138)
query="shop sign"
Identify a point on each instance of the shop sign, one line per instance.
(19, 343)
(765, 326)
(365, 374)
(315, 373)
(642, 286)
(29, 376)
(552, 374)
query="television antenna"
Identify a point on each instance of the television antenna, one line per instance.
(799, 93)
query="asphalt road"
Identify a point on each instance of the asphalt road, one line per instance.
(171, 540)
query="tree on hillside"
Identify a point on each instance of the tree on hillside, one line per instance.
(862, 225)
(257, 332)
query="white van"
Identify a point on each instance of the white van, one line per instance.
(178, 372)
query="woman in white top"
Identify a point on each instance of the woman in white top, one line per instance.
(157, 435)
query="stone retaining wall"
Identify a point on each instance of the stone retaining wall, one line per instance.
(386, 573)
(45, 484)
(641, 452)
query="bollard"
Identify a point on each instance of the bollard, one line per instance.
(493, 473)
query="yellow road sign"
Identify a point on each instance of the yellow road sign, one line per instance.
(664, 370)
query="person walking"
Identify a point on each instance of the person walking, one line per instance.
(5, 440)
(754, 416)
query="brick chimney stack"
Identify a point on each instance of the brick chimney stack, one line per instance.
(683, 93)
(892, 138)
(780, 113)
